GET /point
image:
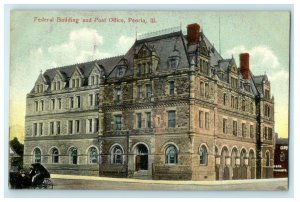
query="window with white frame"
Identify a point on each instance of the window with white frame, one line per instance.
(203, 155)
(55, 155)
(117, 155)
(171, 154)
(118, 122)
(93, 155)
(37, 155)
(73, 156)
(171, 119)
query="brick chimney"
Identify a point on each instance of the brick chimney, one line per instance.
(244, 65)
(193, 33)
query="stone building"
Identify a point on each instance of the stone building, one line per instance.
(170, 108)
(281, 158)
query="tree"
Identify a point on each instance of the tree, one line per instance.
(19, 149)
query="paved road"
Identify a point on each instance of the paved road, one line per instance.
(97, 183)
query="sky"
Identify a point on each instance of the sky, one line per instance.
(37, 44)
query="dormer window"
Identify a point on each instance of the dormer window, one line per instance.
(121, 69)
(174, 59)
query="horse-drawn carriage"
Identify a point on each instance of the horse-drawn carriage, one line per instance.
(37, 177)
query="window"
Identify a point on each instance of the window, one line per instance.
(234, 128)
(282, 156)
(251, 131)
(201, 89)
(224, 126)
(97, 99)
(55, 158)
(140, 91)
(148, 119)
(41, 128)
(37, 155)
(269, 133)
(140, 70)
(92, 80)
(232, 101)
(224, 99)
(70, 126)
(244, 130)
(267, 158)
(148, 70)
(203, 155)
(91, 99)
(73, 83)
(251, 107)
(77, 125)
(149, 90)
(51, 128)
(118, 122)
(93, 155)
(42, 105)
(243, 105)
(96, 125)
(265, 133)
(73, 156)
(171, 155)
(59, 103)
(58, 85)
(77, 83)
(267, 111)
(71, 102)
(236, 103)
(206, 120)
(267, 94)
(78, 101)
(117, 155)
(171, 86)
(35, 129)
(90, 125)
(118, 94)
(171, 119)
(58, 127)
(206, 90)
(36, 106)
(139, 120)
(201, 120)
(52, 103)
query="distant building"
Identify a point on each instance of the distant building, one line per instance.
(170, 108)
(281, 158)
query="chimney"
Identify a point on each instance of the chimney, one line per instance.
(193, 33)
(244, 65)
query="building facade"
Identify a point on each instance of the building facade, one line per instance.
(281, 158)
(170, 108)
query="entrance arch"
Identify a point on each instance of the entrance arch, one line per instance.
(141, 158)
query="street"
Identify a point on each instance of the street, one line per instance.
(104, 183)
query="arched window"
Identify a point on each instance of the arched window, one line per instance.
(73, 155)
(117, 155)
(203, 155)
(267, 158)
(171, 155)
(93, 155)
(54, 154)
(37, 155)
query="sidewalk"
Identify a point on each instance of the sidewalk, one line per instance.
(131, 180)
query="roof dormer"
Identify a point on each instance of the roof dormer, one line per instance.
(77, 78)
(59, 81)
(41, 84)
(96, 73)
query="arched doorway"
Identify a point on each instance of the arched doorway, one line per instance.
(141, 158)
(252, 164)
(225, 161)
(243, 166)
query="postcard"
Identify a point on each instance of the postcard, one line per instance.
(149, 100)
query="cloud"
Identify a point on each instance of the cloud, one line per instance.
(124, 43)
(262, 60)
(82, 45)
